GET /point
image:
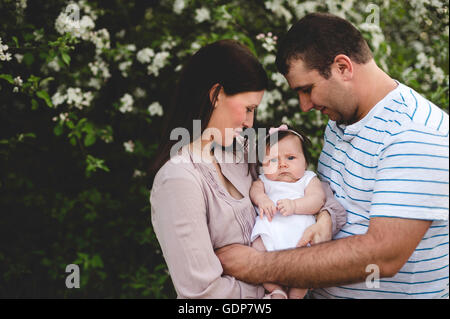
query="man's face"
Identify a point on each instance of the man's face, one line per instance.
(332, 97)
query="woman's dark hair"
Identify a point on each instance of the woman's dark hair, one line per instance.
(317, 39)
(227, 63)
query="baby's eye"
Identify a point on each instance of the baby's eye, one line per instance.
(291, 158)
(274, 160)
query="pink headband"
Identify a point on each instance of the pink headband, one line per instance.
(283, 127)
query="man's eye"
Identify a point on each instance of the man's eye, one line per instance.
(249, 109)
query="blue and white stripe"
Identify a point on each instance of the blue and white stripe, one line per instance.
(394, 163)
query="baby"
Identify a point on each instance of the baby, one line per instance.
(287, 196)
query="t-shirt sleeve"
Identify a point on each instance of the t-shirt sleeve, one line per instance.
(412, 177)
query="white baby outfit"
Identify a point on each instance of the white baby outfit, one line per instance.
(283, 232)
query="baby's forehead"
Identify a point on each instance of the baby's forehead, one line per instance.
(289, 139)
(289, 143)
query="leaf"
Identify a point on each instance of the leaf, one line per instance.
(66, 58)
(89, 140)
(7, 77)
(44, 95)
(34, 104)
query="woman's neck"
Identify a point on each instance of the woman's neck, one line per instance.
(202, 149)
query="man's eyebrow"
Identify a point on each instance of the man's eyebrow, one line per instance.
(303, 87)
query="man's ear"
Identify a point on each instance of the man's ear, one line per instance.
(343, 66)
(214, 94)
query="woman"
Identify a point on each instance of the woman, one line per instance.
(198, 203)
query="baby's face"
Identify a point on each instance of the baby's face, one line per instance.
(285, 161)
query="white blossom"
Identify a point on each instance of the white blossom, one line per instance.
(178, 6)
(78, 28)
(202, 15)
(124, 67)
(280, 80)
(268, 41)
(78, 98)
(62, 117)
(145, 55)
(58, 98)
(276, 6)
(139, 93)
(158, 63)
(99, 68)
(138, 173)
(4, 56)
(126, 103)
(129, 146)
(19, 57)
(18, 81)
(155, 109)
(101, 40)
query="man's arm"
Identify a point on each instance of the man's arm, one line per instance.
(388, 243)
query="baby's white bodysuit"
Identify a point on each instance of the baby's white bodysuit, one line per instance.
(283, 232)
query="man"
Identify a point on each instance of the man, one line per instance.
(385, 156)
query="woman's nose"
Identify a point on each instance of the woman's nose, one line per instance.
(248, 122)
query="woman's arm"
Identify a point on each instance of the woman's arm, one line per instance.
(179, 221)
(337, 212)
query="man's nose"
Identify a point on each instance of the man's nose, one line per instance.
(305, 102)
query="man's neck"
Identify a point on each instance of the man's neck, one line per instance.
(373, 84)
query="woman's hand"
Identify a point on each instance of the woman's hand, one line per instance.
(320, 232)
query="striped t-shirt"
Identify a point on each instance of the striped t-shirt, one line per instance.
(394, 163)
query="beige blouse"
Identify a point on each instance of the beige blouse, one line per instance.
(193, 214)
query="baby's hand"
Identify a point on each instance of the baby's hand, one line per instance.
(286, 206)
(267, 207)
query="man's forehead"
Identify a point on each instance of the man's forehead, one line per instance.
(299, 74)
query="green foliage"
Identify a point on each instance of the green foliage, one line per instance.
(82, 91)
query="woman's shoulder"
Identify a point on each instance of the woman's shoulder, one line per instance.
(178, 167)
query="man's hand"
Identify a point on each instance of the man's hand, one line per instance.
(286, 206)
(319, 232)
(238, 261)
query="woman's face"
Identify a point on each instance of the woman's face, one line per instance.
(232, 114)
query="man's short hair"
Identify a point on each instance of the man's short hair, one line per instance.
(317, 39)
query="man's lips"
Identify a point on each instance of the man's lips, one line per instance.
(322, 109)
